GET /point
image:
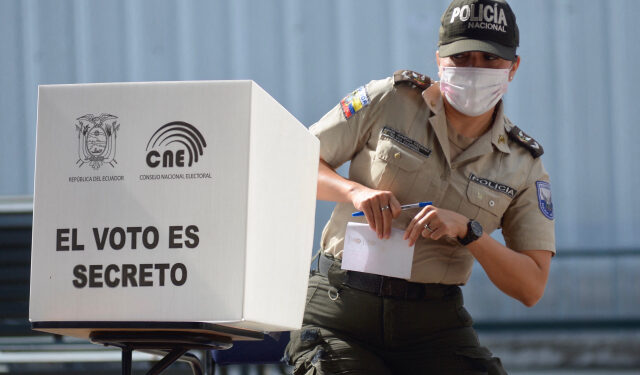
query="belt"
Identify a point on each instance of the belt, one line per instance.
(385, 286)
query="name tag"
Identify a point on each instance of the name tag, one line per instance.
(502, 188)
(405, 141)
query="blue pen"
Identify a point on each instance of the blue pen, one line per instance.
(405, 207)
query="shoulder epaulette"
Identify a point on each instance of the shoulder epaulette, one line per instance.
(527, 142)
(409, 77)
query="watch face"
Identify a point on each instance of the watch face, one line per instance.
(476, 228)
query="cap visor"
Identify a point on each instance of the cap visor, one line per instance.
(467, 45)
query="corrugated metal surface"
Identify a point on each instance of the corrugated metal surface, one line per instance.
(595, 291)
(576, 90)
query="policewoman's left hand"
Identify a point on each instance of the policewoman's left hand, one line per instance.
(435, 223)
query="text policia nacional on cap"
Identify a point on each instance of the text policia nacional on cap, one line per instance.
(482, 17)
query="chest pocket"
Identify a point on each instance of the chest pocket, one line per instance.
(492, 205)
(396, 167)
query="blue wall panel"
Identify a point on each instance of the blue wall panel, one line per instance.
(575, 92)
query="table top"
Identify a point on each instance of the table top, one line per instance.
(83, 329)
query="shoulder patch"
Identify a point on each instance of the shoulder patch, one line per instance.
(354, 102)
(527, 142)
(544, 199)
(409, 77)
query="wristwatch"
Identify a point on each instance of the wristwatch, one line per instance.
(474, 231)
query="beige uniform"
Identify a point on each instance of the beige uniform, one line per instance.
(396, 137)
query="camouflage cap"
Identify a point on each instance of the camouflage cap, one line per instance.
(479, 25)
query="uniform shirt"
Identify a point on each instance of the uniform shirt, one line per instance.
(396, 138)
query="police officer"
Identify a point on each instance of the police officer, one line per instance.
(411, 140)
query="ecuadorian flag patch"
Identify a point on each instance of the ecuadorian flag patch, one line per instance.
(354, 102)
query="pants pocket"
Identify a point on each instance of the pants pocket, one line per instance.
(300, 344)
(482, 360)
(318, 351)
(464, 317)
(311, 291)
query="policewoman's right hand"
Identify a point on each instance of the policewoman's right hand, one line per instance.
(379, 207)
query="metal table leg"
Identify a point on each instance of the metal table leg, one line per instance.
(173, 345)
(126, 361)
(165, 362)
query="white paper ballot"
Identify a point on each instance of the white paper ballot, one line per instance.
(365, 252)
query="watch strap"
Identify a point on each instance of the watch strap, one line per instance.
(470, 236)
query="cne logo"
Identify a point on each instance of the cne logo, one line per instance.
(97, 139)
(176, 144)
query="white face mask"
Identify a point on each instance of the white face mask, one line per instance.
(473, 91)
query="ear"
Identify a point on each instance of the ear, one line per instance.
(514, 68)
(438, 62)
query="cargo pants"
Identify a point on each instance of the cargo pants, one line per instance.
(348, 331)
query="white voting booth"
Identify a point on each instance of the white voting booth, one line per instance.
(170, 202)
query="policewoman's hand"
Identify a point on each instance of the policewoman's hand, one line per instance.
(435, 223)
(379, 207)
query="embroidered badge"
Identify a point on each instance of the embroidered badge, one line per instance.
(527, 142)
(544, 199)
(525, 138)
(501, 188)
(410, 77)
(354, 102)
(402, 139)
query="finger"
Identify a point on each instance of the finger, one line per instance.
(416, 231)
(377, 216)
(368, 213)
(386, 221)
(395, 206)
(436, 225)
(425, 233)
(438, 233)
(427, 209)
(422, 214)
(431, 217)
(417, 223)
(412, 223)
(432, 232)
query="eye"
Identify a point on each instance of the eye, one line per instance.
(490, 57)
(460, 58)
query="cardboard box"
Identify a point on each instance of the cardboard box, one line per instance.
(172, 202)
